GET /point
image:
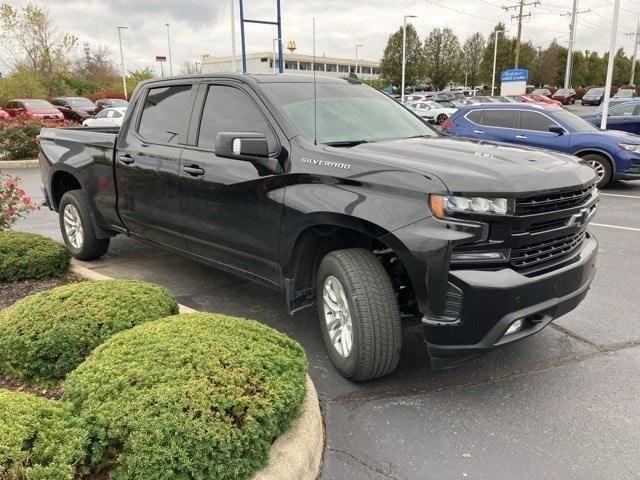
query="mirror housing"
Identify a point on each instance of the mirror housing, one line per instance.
(557, 129)
(249, 146)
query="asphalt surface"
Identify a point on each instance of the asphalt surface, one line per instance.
(563, 404)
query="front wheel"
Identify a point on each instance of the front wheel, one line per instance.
(77, 227)
(603, 168)
(359, 314)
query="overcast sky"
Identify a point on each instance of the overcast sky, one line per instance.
(203, 26)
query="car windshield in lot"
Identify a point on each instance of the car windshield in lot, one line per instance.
(595, 91)
(573, 123)
(37, 104)
(81, 103)
(346, 113)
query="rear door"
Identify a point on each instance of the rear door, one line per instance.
(533, 130)
(497, 125)
(148, 163)
(232, 208)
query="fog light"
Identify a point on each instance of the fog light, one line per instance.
(498, 256)
(515, 327)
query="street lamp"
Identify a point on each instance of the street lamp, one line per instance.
(495, 56)
(124, 72)
(274, 43)
(169, 44)
(404, 52)
(357, 46)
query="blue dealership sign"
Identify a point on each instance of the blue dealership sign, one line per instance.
(514, 75)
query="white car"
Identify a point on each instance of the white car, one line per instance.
(109, 117)
(432, 111)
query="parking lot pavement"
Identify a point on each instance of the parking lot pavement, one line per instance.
(562, 404)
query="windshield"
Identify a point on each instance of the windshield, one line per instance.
(81, 103)
(345, 113)
(595, 91)
(37, 104)
(573, 123)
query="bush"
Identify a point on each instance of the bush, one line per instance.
(106, 94)
(18, 135)
(14, 201)
(29, 256)
(37, 442)
(46, 335)
(198, 396)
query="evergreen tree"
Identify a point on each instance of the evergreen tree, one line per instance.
(391, 62)
(443, 57)
(473, 50)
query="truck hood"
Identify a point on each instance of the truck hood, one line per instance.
(473, 166)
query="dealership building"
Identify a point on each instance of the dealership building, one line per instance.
(262, 62)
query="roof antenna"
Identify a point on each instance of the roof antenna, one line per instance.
(315, 91)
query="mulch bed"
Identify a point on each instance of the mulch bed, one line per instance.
(10, 292)
(8, 383)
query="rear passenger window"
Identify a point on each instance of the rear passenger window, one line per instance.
(164, 113)
(499, 118)
(475, 116)
(535, 121)
(228, 109)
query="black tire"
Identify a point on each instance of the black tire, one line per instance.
(603, 167)
(90, 247)
(374, 313)
(441, 118)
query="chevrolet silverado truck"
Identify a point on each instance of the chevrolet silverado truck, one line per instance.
(340, 197)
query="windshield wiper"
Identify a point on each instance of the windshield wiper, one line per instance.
(347, 143)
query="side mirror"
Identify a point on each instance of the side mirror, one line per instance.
(557, 129)
(242, 146)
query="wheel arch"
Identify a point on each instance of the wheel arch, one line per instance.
(597, 151)
(62, 181)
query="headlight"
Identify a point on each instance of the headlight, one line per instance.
(441, 205)
(629, 146)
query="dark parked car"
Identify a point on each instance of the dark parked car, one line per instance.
(76, 109)
(33, 108)
(623, 116)
(613, 154)
(594, 96)
(103, 103)
(566, 96)
(378, 223)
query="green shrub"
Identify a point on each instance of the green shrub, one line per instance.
(37, 442)
(29, 256)
(197, 396)
(46, 335)
(18, 135)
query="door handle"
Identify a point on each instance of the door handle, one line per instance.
(126, 159)
(521, 137)
(193, 170)
(479, 131)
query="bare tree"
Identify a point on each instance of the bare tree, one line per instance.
(190, 67)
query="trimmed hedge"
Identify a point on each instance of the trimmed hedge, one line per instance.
(190, 396)
(37, 442)
(26, 256)
(46, 335)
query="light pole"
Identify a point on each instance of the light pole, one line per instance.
(404, 52)
(276, 41)
(233, 36)
(612, 56)
(357, 46)
(495, 58)
(169, 44)
(124, 72)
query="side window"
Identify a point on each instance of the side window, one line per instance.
(623, 110)
(164, 113)
(475, 116)
(115, 114)
(535, 121)
(103, 114)
(228, 109)
(499, 118)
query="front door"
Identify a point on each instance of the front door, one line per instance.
(232, 208)
(148, 165)
(533, 130)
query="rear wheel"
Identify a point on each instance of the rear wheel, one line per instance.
(77, 227)
(359, 314)
(603, 168)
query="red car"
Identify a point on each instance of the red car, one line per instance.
(3, 114)
(538, 98)
(566, 96)
(33, 108)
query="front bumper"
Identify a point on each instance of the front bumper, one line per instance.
(493, 300)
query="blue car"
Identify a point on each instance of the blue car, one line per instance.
(623, 116)
(613, 154)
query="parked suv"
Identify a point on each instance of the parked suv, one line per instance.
(566, 96)
(345, 201)
(622, 116)
(613, 154)
(594, 96)
(76, 109)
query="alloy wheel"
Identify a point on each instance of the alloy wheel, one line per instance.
(337, 316)
(73, 226)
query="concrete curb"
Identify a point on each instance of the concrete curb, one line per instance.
(294, 455)
(16, 164)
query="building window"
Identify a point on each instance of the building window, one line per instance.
(343, 68)
(366, 70)
(291, 65)
(375, 71)
(319, 67)
(332, 67)
(305, 65)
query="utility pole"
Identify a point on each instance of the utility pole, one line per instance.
(169, 45)
(520, 15)
(572, 36)
(123, 69)
(233, 35)
(612, 56)
(495, 58)
(636, 40)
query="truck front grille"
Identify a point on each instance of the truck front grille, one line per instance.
(541, 252)
(555, 202)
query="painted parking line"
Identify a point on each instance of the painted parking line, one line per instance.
(618, 227)
(620, 195)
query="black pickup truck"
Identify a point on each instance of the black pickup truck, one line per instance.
(342, 198)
